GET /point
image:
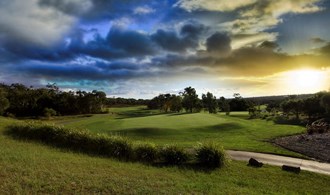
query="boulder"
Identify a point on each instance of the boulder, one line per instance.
(254, 163)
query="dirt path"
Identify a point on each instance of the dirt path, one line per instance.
(277, 160)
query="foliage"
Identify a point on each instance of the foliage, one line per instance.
(211, 155)
(78, 140)
(238, 103)
(325, 102)
(210, 102)
(173, 155)
(292, 106)
(49, 112)
(190, 100)
(224, 105)
(146, 152)
(22, 101)
(4, 103)
(166, 103)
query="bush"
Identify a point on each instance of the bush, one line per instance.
(49, 112)
(146, 152)
(173, 155)
(78, 140)
(211, 155)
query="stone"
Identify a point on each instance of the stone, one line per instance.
(254, 163)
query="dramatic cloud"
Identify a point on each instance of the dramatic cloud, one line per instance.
(26, 22)
(213, 5)
(218, 43)
(124, 46)
(171, 41)
(72, 7)
(266, 14)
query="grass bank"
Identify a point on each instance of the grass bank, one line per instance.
(31, 168)
(235, 132)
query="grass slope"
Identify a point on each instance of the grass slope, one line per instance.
(234, 132)
(32, 168)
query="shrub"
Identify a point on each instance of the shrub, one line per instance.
(211, 155)
(146, 152)
(49, 112)
(173, 155)
(78, 140)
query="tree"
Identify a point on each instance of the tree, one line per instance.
(325, 102)
(312, 107)
(4, 102)
(190, 99)
(273, 107)
(210, 102)
(238, 103)
(176, 103)
(292, 106)
(224, 105)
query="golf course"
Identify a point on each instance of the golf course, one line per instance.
(33, 167)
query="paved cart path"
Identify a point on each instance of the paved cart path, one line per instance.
(271, 159)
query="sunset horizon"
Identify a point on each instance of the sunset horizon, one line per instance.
(140, 49)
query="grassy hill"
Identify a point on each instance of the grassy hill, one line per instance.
(30, 168)
(234, 132)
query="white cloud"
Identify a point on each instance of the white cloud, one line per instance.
(143, 10)
(27, 21)
(242, 40)
(267, 14)
(213, 5)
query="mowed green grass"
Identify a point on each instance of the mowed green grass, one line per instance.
(184, 129)
(32, 168)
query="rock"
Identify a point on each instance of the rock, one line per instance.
(254, 163)
(291, 169)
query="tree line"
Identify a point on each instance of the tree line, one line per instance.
(310, 108)
(189, 101)
(307, 106)
(21, 101)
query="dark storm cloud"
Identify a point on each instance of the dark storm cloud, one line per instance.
(131, 42)
(22, 51)
(218, 43)
(72, 7)
(118, 44)
(325, 50)
(269, 45)
(171, 41)
(95, 71)
(318, 40)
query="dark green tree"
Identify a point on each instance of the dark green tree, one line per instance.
(190, 100)
(210, 102)
(4, 102)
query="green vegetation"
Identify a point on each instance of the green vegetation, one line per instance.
(109, 146)
(186, 129)
(211, 155)
(31, 168)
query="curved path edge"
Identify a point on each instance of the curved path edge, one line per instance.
(308, 165)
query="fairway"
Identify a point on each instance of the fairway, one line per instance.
(28, 167)
(235, 132)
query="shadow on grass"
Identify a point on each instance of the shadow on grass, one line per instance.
(145, 132)
(186, 166)
(138, 113)
(181, 113)
(231, 126)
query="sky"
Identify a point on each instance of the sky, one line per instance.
(141, 48)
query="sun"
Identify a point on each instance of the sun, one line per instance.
(305, 80)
